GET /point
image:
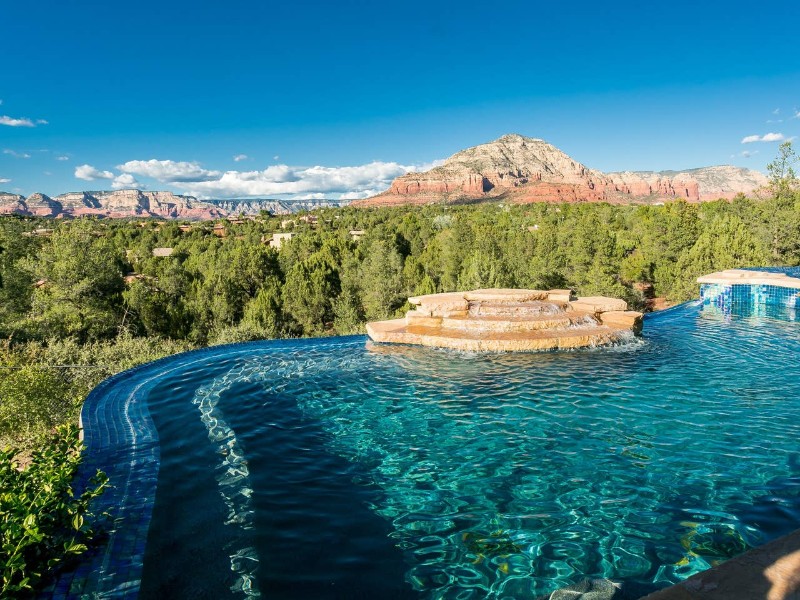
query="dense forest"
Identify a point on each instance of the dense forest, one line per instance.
(82, 299)
(91, 280)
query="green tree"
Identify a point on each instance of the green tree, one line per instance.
(265, 311)
(15, 283)
(382, 281)
(782, 176)
(308, 294)
(79, 284)
(727, 243)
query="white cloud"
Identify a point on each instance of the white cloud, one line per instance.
(16, 154)
(4, 179)
(276, 157)
(767, 137)
(299, 181)
(359, 195)
(89, 173)
(431, 165)
(774, 121)
(796, 114)
(125, 181)
(62, 157)
(240, 157)
(20, 121)
(168, 171)
(317, 182)
(12, 122)
(777, 111)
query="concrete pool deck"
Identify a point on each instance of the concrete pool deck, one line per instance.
(768, 572)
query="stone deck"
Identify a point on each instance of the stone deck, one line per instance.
(769, 572)
(503, 320)
(744, 277)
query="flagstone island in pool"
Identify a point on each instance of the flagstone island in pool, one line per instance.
(510, 320)
(337, 468)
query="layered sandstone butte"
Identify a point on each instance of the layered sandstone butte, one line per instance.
(11, 204)
(136, 203)
(504, 320)
(696, 185)
(116, 204)
(521, 169)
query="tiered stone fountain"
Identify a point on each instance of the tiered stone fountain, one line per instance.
(500, 320)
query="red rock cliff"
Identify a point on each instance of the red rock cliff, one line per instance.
(520, 169)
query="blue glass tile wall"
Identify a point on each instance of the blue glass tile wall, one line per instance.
(749, 295)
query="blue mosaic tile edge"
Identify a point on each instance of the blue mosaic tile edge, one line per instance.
(121, 440)
(726, 296)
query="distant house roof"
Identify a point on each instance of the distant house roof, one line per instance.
(162, 252)
(279, 238)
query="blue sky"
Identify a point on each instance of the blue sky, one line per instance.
(337, 98)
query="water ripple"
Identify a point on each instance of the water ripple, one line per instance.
(512, 474)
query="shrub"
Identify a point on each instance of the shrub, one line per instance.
(42, 520)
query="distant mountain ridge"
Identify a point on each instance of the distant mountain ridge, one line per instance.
(137, 203)
(522, 169)
(514, 168)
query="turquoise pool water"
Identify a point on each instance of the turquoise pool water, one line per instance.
(332, 468)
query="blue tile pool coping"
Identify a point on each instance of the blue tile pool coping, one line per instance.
(121, 439)
(749, 295)
(723, 295)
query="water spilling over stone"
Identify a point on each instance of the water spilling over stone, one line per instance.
(502, 320)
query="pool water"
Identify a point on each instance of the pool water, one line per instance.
(333, 468)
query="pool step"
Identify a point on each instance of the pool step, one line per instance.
(519, 323)
(516, 309)
(398, 332)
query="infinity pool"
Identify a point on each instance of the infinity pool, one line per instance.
(331, 468)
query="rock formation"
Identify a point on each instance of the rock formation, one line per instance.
(513, 168)
(116, 204)
(696, 185)
(521, 169)
(254, 206)
(136, 203)
(12, 204)
(502, 320)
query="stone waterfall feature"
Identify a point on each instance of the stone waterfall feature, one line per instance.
(504, 320)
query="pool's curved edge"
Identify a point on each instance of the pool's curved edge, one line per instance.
(672, 309)
(121, 439)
